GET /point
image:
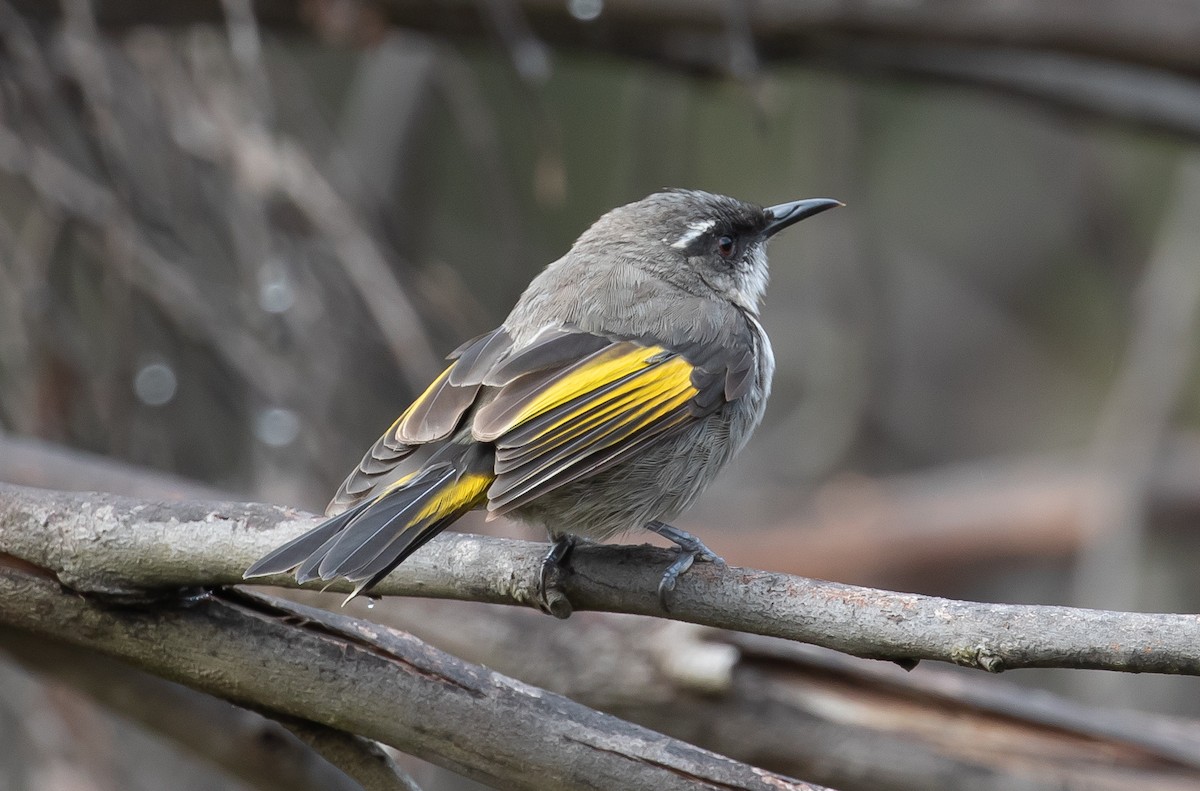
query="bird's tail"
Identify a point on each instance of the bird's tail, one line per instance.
(366, 542)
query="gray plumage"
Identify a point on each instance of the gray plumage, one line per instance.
(628, 374)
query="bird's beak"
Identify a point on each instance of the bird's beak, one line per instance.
(786, 214)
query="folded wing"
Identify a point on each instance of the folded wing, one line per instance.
(559, 424)
(502, 426)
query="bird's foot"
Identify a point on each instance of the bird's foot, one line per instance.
(691, 549)
(551, 596)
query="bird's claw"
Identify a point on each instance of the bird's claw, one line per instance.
(691, 549)
(551, 595)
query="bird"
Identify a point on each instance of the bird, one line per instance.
(629, 373)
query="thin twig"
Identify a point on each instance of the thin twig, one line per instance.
(364, 263)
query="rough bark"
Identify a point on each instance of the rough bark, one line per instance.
(259, 752)
(809, 712)
(884, 531)
(112, 545)
(370, 680)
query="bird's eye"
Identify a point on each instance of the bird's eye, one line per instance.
(726, 246)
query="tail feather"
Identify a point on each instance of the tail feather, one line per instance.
(383, 525)
(307, 571)
(365, 543)
(292, 554)
(384, 562)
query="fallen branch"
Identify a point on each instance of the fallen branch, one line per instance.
(809, 712)
(361, 759)
(106, 544)
(259, 752)
(370, 680)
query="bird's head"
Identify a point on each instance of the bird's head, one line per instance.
(698, 241)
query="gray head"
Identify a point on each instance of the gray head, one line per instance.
(697, 241)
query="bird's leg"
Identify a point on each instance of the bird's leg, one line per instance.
(691, 549)
(552, 599)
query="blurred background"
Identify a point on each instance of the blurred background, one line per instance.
(236, 238)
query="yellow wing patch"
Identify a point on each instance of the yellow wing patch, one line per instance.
(573, 423)
(600, 370)
(670, 377)
(622, 371)
(464, 494)
(396, 484)
(647, 398)
(586, 418)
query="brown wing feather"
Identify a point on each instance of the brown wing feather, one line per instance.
(434, 416)
(551, 349)
(476, 357)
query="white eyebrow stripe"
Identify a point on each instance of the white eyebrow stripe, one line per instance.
(694, 232)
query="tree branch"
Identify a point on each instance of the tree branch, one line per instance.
(810, 712)
(106, 544)
(374, 681)
(255, 750)
(886, 530)
(361, 759)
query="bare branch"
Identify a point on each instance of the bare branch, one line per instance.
(107, 544)
(809, 712)
(377, 682)
(1136, 418)
(243, 743)
(362, 759)
(887, 530)
(364, 263)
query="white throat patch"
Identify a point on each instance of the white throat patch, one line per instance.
(753, 285)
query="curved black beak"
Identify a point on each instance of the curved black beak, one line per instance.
(786, 214)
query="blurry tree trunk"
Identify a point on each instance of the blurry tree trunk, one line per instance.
(1137, 62)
